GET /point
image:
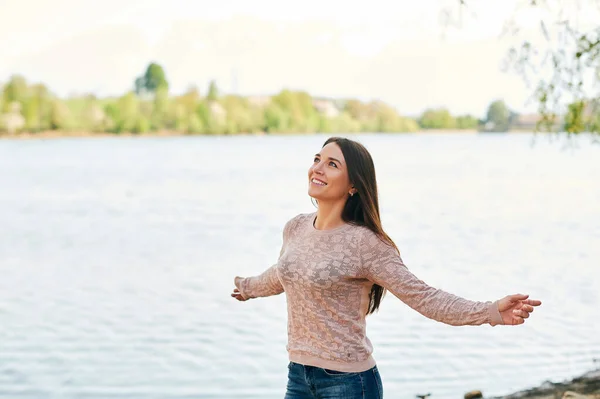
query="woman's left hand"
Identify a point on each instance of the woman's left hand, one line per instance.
(514, 309)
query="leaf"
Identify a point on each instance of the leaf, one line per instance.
(544, 30)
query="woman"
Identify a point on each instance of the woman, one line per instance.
(335, 266)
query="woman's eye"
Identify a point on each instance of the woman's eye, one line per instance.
(316, 160)
(332, 164)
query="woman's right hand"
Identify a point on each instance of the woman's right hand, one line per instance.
(236, 292)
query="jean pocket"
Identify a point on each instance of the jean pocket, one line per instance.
(337, 373)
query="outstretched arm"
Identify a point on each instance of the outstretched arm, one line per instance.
(382, 264)
(267, 283)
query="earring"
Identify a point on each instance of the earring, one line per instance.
(352, 194)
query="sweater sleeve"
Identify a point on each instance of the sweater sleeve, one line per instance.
(267, 283)
(382, 264)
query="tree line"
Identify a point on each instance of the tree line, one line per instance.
(149, 107)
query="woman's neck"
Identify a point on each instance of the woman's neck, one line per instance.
(329, 216)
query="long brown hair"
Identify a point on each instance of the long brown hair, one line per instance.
(362, 208)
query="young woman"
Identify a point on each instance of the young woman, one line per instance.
(335, 265)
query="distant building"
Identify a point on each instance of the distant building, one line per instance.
(12, 121)
(592, 107)
(259, 101)
(530, 121)
(526, 121)
(326, 107)
(217, 110)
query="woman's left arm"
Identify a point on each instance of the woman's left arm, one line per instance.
(382, 264)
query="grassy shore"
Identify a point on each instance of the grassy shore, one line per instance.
(53, 134)
(56, 134)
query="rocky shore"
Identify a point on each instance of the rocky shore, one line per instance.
(586, 386)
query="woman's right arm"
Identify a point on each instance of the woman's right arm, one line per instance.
(265, 284)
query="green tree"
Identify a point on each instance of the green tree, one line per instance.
(582, 116)
(594, 120)
(439, 118)
(239, 115)
(213, 91)
(365, 114)
(37, 108)
(409, 125)
(212, 117)
(194, 124)
(180, 118)
(92, 117)
(574, 120)
(113, 115)
(302, 115)
(343, 123)
(141, 125)
(182, 112)
(189, 100)
(125, 114)
(205, 116)
(466, 122)
(390, 121)
(276, 119)
(160, 109)
(15, 90)
(152, 80)
(60, 116)
(498, 116)
(567, 48)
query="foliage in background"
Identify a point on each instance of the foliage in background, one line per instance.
(559, 56)
(150, 108)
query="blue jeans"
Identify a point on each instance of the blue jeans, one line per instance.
(306, 382)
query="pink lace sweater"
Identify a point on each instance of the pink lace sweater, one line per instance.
(327, 276)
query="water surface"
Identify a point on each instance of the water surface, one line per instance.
(117, 257)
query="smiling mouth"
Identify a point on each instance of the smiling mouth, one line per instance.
(318, 182)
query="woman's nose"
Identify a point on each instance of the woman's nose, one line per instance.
(318, 168)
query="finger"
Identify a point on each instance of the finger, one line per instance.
(520, 313)
(527, 308)
(240, 297)
(518, 297)
(518, 320)
(533, 302)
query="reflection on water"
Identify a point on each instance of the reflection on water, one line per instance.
(117, 258)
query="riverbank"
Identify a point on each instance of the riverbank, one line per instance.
(56, 134)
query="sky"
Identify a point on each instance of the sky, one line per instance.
(400, 52)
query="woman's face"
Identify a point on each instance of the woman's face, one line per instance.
(328, 175)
